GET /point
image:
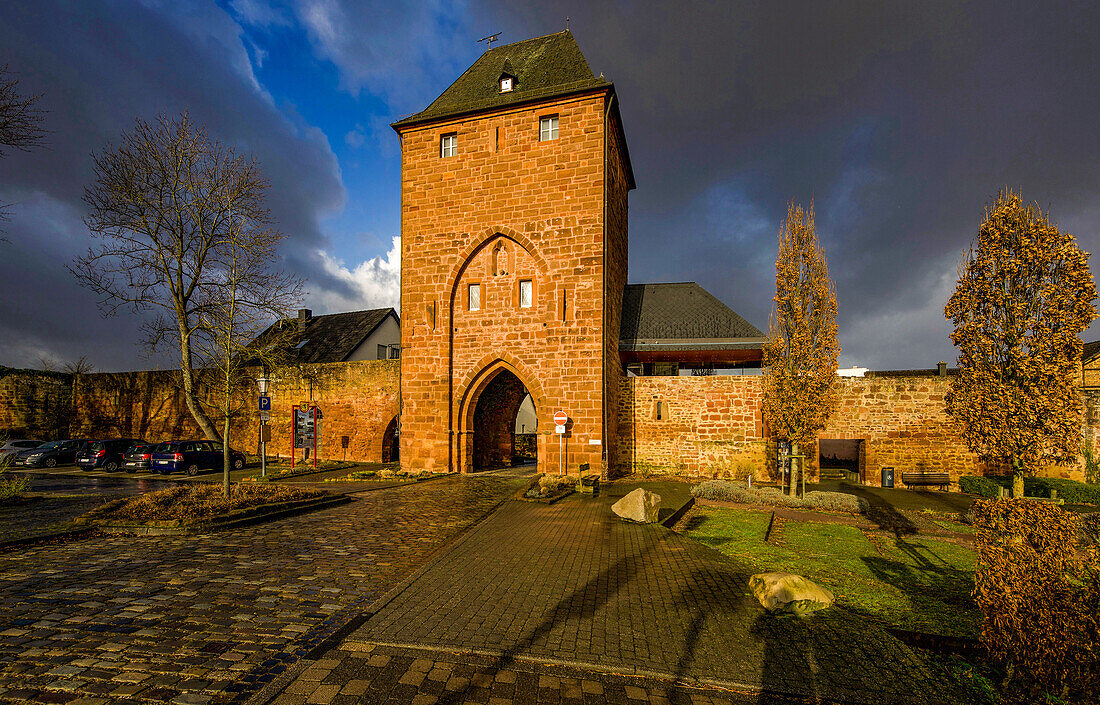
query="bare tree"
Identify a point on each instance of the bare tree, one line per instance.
(20, 120)
(228, 339)
(174, 210)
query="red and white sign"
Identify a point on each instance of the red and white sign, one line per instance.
(560, 418)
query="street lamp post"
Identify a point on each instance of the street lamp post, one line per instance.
(262, 383)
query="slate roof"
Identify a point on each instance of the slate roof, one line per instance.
(543, 67)
(681, 316)
(331, 337)
(1090, 351)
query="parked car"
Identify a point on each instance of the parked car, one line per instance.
(193, 456)
(17, 445)
(138, 457)
(52, 454)
(106, 454)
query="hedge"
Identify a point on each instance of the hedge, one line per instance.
(1072, 491)
(982, 486)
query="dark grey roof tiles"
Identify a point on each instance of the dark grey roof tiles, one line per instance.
(685, 315)
(331, 337)
(543, 67)
(1090, 351)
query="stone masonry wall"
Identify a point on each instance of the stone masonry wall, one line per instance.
(35, 405)
(357, 399)
(711, 426)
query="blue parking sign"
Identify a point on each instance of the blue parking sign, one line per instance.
(265, 403)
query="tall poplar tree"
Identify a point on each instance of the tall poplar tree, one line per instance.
(1024, 295)
(800, 355)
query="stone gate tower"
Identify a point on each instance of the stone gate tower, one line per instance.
(514, 188)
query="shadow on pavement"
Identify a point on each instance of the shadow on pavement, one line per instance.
(881, 512)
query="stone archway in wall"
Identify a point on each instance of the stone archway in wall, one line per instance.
(486, 430)
(391, 445)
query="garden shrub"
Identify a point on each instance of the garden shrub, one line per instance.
(200, 501)
(1038, 589)
(982, 486)
(730, 491)
(12, 487)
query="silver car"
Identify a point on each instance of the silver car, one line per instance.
(16, 445)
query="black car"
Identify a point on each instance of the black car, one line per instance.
(138, 457)
(106, 454)
(192, 456)
(52, 454)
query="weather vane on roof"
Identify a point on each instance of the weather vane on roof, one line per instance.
(490, 39)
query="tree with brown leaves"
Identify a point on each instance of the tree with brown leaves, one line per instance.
(800, 355)
(1023, 297)
(187, 236)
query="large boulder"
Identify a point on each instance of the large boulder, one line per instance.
(786, 592)
(640, 506)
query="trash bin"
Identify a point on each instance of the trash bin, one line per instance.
(888, 477)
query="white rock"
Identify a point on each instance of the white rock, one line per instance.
(640, 506)
(786, 592)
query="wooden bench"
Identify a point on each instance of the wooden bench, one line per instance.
(926, 479)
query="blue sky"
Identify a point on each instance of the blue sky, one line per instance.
(900, 121)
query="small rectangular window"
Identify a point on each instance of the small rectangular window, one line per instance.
(395, 352)
(475, 297)
(381, 352)
(448, 145)
(658, 415)
(548, 128)
(525, 293)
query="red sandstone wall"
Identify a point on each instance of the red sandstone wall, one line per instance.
(358, 400)
(713, 426)
(709, 425)
(544, 202)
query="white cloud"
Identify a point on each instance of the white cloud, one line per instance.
(375, 283)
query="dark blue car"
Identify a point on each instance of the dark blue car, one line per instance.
(192, 456)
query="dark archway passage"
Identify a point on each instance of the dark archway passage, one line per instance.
(494, 428)
(391, 444)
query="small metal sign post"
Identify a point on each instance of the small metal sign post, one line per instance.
(265, 416)
(560, 419)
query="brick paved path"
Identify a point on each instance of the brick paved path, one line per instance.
(188, 619)
(572, 583)
(368, 673)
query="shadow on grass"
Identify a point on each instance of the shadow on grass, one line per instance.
(926, 579)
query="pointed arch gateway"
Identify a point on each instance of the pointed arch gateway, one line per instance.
(487, 404)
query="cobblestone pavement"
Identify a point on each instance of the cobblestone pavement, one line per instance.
(573, 584)
(358, 672)
(194, 619)
(35, 517)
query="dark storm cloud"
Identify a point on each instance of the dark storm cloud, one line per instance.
(901, 120)
(99, 66)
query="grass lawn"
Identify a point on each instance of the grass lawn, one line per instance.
(917, 584)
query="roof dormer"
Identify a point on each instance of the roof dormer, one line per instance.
(507, 81)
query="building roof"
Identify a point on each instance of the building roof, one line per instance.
(682, 316)
(1090, 351)
(329, 338)
(543, 67)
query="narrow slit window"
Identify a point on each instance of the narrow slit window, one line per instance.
(525, 293)
(474, 300)
(658, 416)
(448, 145)
(548, 128)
